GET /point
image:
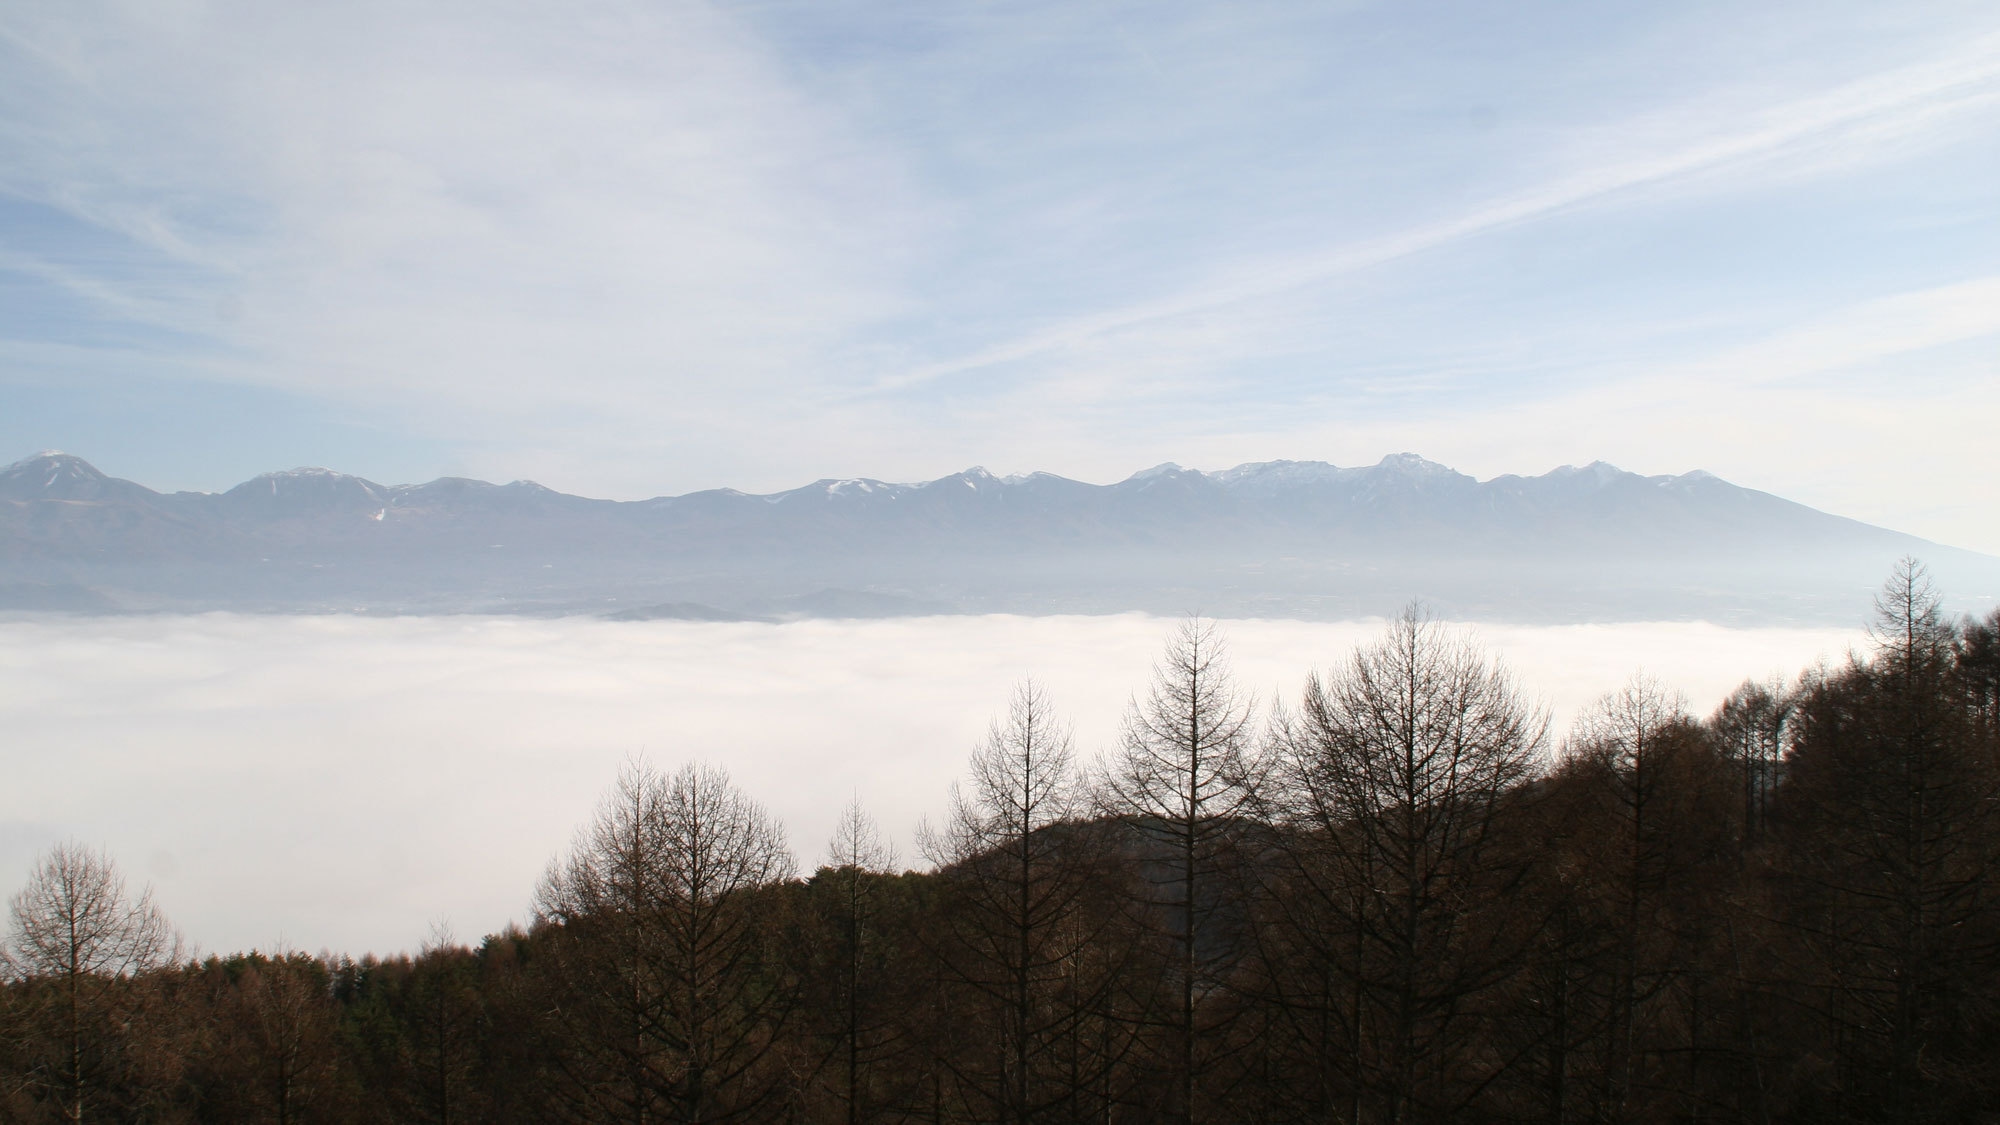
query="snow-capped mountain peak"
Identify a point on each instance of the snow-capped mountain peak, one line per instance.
(1268, 538)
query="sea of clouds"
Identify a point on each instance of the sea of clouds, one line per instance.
(348, 783)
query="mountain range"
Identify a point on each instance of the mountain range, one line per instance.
(1276, 539)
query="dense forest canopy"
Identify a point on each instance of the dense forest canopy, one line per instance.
(1397, 897)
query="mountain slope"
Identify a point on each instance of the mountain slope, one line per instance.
(1280, 538)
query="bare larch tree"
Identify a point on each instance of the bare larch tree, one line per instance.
(75, 928)
(1389, 778)
(859, 859)
(676, 998)
(1626, 737)
(1018, 860)
(1182, 780)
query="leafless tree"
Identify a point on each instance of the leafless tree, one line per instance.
(859, 858)
(1899, 840)
(1626, 736)
(1182, 778)
(857, 842)
(1017, 857)
(1389, 777)
(1751, 724)
(76, 929)
(660, 942)
(283, 1038)
(445, 1025)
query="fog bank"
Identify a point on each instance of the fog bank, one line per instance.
(346, 782)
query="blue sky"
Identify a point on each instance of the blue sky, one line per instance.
(640, 248)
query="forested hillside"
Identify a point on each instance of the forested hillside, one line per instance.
(1398, 897)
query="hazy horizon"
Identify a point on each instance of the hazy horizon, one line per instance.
(1113, 478)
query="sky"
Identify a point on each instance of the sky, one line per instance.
(349, 783)
(640, 248)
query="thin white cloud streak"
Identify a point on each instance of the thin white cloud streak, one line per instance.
(1896, 325)
(505, 211)
(1866, 410)
(1878, 410)
(622, 249)
(344, 782)
(1882, 111)
(108, 295)
(413, 198)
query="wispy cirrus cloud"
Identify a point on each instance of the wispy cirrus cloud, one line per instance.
(465, 205)
(635, 248)
(1875, 409)
(1854, 124)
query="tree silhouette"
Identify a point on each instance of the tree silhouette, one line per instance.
(1182, 779)
(1390, 777)
(662, 948)
(1026, 910)
(76, 931)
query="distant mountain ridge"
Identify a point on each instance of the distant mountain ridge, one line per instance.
(1275, 538)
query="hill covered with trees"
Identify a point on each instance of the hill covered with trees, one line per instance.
(1397, 898)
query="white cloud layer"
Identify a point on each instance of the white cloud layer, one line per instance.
(342, 783)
